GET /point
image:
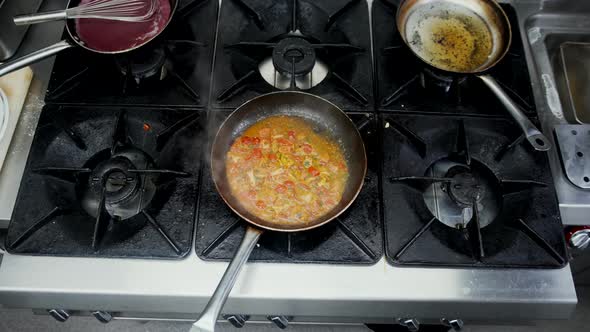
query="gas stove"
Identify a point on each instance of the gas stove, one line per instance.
(120, 181)
(172, 70)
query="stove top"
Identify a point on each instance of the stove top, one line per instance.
(405, 83)
(109, 182)
(172, 70)
(322, 47)
(459, 191)
(355, 237)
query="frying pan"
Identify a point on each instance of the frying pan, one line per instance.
(325, 118)
(73, 40)
(468, 37)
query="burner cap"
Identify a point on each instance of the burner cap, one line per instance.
(127, 192)
(452, 202)
(294, 50)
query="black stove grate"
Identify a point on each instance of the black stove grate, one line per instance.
(455, 195)
(353, 238)
(109, 182)
(322, 47)
(172, 70)
(405, 83)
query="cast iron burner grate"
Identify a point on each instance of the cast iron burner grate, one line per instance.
(458, 191)
(353, 238)
(173, 70)
(128, 194)
(322, 47)
(405, 83)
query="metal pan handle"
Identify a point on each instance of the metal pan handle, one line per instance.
(208, 318)
(532, 134)
(31, 58)
(57, 15)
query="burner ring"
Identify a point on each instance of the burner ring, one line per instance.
(297, 50)
(465, 188)
(118, 181)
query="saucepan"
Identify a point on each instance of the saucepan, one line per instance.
(74, 39)
(323, 116)
(467, 37)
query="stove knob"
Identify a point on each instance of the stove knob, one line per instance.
(455, 324)
(411, 324)
(60, 315)
(579, 237)
(282, 322)
(237, 320)
(102, 316)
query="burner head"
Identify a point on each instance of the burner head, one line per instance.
(452, 202)
(294, 51)
(440, 82)
(143, 64)
(126, 192)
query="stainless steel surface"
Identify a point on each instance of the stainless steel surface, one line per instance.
(178, 290)
(115, 10)
(580, 239)
(574, 148)
(11, 36)
(532, 134)
(545, 26)
(34, 57)
(412, 324)
(208, 318)
(573, 81)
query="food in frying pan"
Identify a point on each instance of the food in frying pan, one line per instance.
(282, 171)
(112, 36)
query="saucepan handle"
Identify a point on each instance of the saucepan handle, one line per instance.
(57, 15)
(208, 318)
(532, 134)
(31, 58)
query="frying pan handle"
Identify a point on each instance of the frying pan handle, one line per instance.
(208, 318)
(57, 15)
(532, 134)
(39, 55)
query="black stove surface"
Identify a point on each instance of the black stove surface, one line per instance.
(109, 182)
(172, 70)
(322, 47)
(353, 238)
(405, 83)
(464, 191)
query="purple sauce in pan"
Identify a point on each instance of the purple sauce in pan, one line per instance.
(113, 36)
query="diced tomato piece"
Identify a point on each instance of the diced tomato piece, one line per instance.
(307, 148)
(281, 188)
(272, 156)
(284, 142)
(289, 184)
(291, 134)
(257, 153)
(260, 204)
(256, 140)
(313, 171)
(251, 194)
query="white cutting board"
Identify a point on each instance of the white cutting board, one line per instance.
(16, 86)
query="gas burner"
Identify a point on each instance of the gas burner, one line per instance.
(143, 64)
(126, 192)
(452, 202)
(283, 81)
(442, 83)
(293, 55)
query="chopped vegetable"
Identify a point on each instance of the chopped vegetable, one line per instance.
(281, 170)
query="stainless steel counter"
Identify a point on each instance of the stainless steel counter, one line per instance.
(309, 292)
